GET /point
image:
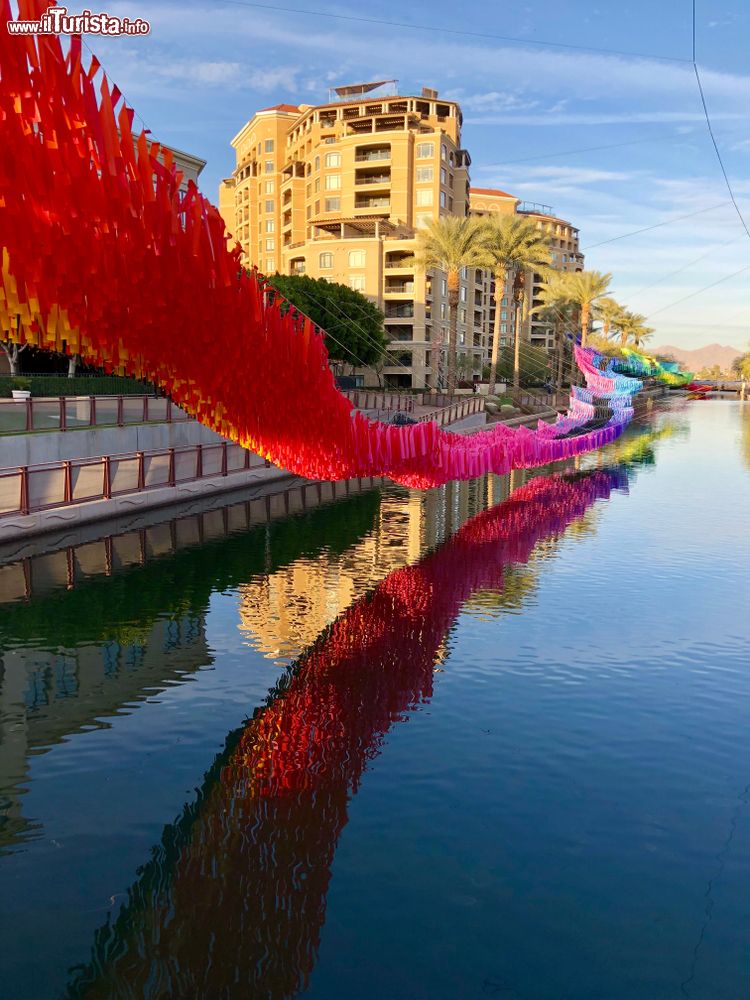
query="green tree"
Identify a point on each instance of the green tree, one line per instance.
(353, 325)
(633, 330)
(557, 310)
(609, 313)
(741, 366)
(586, 289)
(515, 246)
(450, 244)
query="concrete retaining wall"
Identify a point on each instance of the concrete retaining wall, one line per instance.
(59, 446)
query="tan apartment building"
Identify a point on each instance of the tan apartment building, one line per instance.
(339, 190)
(566, 256)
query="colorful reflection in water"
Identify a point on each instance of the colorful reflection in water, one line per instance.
(254, 856)
(361, 601)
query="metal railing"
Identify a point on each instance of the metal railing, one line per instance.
(18, 416)
(363, 399)
(32, 488)
(456, 411)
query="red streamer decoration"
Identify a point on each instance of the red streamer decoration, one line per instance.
(104, 256)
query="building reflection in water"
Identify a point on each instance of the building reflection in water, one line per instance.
(233, 900)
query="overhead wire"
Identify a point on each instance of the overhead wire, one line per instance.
(442, 29)
(709, 125)
(657, 225)
(699, 291)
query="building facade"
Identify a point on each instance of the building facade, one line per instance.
(340, 191)
(566, 256)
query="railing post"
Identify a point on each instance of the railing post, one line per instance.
(107, 478)
(141, 471)
(171, 467)
(145, 409)
(63, 414)
(223, 458)
(120, 415)
(92, 411)
(68, 480)
(29, 415)
(199, 461)
(247, 459)
(169, 411)
(24, 470)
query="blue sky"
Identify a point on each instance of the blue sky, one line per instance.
(206, 67)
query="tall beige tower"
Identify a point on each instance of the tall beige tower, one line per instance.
(339, 191)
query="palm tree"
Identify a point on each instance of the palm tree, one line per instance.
(609, 313)
(450, 244)
(633, 329)
(641, 335)
(556, 310)
(586, 288)
(515, 245)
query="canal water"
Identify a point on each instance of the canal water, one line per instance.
(491, 740)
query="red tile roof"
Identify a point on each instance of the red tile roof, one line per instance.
(496, 191)
(281, 107)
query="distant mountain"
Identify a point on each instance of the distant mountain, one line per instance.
(701, 357)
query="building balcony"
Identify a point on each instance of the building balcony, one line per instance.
(373, 180)
(400, 335)
(398, 311)
(362, 204)
(399, 288)
(373, 154)
(399, 262)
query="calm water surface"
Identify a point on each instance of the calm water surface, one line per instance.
(486, 741)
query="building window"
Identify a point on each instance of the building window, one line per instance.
(325, 261)
(270, 244)
(443, 287)
(308, 212)
(317, 163)
(425, 150)
(308, 190)
(503, 328)
(424, 196)
(462, 317)
(504, 314)
(269, 225)
(333, 204)
(424, 175)
(269, 166)
(269, 145)
(269, 187)
(442, 199)
(317, 184)
(356, 258)
(443, 152)
(270, 266)
(463, 293)
(462, 338)
(443, 175)
(269, 206)
(333, 159)
(317, 208)
(357, 282)
(442, 310)
(333, 182)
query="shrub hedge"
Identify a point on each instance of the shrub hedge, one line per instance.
(81, 385)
